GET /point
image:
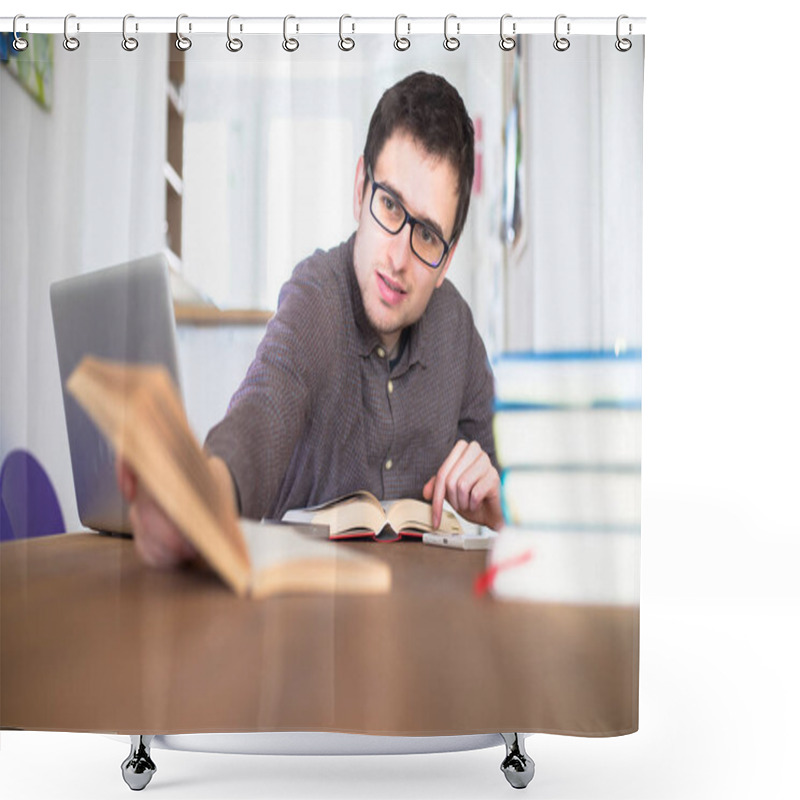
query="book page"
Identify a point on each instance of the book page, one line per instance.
(286, 558)
(417, 515)
(357, 511)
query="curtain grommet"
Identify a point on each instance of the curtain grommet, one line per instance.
(561, 43)
(182, 43)
(451, 43)
(234, 45)
(129, 43)
(18, 43)
(70, 43)
(507, 42)
(289, 44)
(345, 42)
(401, 43)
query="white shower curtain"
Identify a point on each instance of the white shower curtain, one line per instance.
(550, 268)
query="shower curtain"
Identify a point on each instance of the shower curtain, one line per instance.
(236, 158)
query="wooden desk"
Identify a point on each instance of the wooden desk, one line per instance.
(92, 640)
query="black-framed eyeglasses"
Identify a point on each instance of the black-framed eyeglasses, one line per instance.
(387, 210)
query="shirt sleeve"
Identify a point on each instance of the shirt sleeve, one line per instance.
(271, 407)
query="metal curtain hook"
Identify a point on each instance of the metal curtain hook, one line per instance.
(289, 44)
(507, 42)
(19, 44)
(182, 42)
(70, 43)
(346, 43)
(400, 42)
(233, 45)
(623, 45)
(128, 42)
(561, 43)
(451, 42)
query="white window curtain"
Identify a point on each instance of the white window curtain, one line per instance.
(88, 192)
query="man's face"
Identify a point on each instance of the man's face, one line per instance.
(395, 285)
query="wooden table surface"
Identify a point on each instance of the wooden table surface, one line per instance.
(93, 640)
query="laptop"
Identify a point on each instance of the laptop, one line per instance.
(122, 313)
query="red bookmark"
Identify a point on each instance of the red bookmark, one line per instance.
(485, 580)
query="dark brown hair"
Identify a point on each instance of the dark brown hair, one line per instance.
(432, 112)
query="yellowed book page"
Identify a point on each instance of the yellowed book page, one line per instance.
(286, 560)
(138, 409)
(409, 514)
(357, 511)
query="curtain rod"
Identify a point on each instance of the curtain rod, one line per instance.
(460, 26)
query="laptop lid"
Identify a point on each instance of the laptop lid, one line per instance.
(122, 313)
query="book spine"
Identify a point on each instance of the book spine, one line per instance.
(568, 437)
(526, 435)
(578, 498)
(573, 379)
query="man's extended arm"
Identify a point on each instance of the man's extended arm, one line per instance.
(274, 403)
(256, 437)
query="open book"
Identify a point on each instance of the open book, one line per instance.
(138, 408)
(362, 514)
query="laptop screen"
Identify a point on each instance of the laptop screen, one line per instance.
(123, 313)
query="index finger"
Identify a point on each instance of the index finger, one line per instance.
(440, 484)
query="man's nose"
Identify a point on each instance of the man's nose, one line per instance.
(400, 253)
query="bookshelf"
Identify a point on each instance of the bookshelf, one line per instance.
(173, 164)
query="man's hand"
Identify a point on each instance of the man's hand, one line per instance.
(157, 539)
(471, 485)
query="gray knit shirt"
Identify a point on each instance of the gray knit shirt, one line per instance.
(319, 413)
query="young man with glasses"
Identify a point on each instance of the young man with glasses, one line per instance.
(371, 375)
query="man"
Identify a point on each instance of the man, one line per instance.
(371, 375)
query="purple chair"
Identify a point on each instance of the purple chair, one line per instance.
(28, 503)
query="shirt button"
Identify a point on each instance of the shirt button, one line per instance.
(390, 387)
(381, 353)
(388, 464)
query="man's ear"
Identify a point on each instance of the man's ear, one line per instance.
(443, 272)
(358, 189)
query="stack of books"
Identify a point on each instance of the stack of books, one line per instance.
(568, 438)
